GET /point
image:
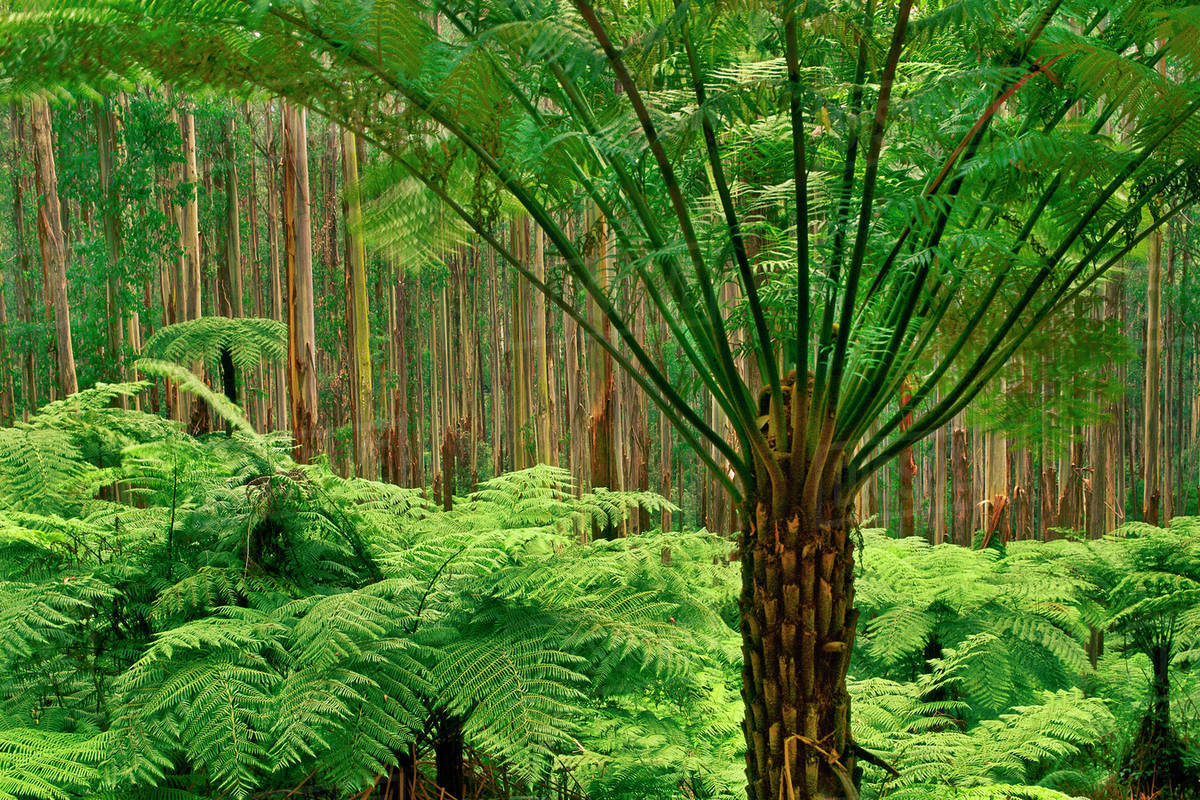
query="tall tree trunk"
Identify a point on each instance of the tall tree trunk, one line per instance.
(50, 238)
(547, 448)
(524, 435)
(1070, 504)
(405, 445)
(363, 420)
(908, 470)
(996, 494)
(1023, 494)
(256, 286)
(7, 400)
(496, 353)
(961, 487)
(600, 373)
(938, 528)
(110, 222)
(274, 181)
(191, 279)
(576, 411)
(1152, 490)
(25, 287)
(664, 437)
(302, 344)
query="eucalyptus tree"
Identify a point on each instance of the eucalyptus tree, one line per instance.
(901, 196)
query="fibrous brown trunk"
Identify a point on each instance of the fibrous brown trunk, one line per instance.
(448, 751)
(798, 625)
(53, 245)
(302, 345)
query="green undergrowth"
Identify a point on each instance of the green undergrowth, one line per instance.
(199, 617)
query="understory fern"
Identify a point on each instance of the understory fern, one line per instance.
(1022, 618)
(200, 616)
(248, 340)
(1029, 750)
(219, 620)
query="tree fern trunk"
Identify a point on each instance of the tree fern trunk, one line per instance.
(797, 635)
(448, 756)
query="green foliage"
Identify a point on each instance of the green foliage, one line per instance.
(1028, 751)
(1143, 583)
(199, 616)
(228, 619)
(987, 192)
(202, 615)
(249, 340)
(1021, 618)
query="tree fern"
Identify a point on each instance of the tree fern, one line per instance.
(44, 765)
(996, 757)
(249, 340)
(1024, 622)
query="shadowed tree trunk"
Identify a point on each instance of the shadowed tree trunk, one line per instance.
(448, 751)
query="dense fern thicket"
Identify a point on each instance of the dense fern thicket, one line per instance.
(204, 617)
(201, 617)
